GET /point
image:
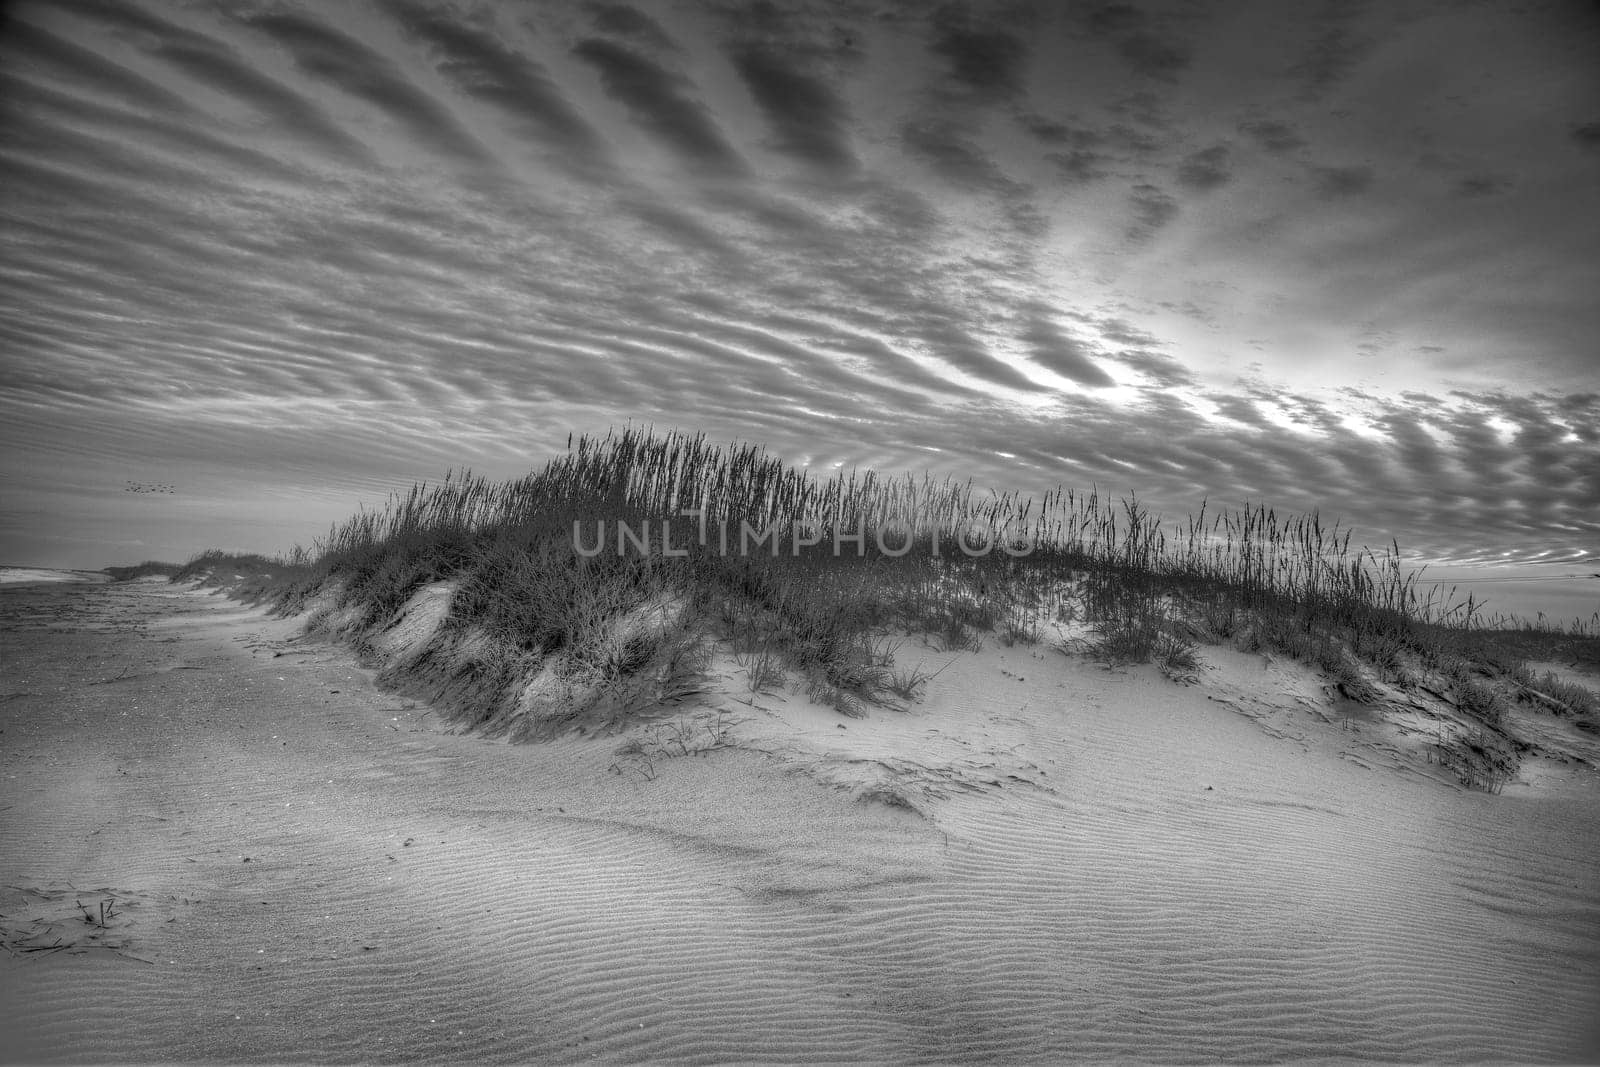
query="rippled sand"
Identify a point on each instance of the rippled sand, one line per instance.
(1041, 860)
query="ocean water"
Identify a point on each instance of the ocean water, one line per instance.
(1561, 593)
(37, 575)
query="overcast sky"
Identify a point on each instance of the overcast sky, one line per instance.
(265, 261)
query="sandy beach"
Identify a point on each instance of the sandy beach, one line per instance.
(1040, 860)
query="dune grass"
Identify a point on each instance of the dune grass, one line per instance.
(249, 576)
(592, 590)
(148, 569)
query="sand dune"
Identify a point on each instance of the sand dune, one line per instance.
(1040, 860)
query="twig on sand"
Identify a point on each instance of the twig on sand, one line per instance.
(56, 946)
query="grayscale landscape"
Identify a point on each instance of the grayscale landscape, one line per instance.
(799, 531)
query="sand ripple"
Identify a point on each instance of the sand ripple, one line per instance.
(1135, 873)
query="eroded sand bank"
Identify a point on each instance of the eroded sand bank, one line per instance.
(1040, 860)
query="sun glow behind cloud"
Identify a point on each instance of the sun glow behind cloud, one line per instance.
(280, 252)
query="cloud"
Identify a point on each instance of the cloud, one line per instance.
(1587, 135)
(1163, 371)
(658, 103)
(1144, 107)
(878, 358)
(332, 56)
(1154, 57)
(1088, 154)
(1114, 19)
(809, 118)
(987, 62)
(1332, 182)
(954, 156)
(88, 70)
(1053, 349)
(73, 172)
(1024, 217)
(1112, 329)
(189, 145)
(1049, 130)
(1206, 169)
(483, 67)
(619, 20)
(1240, 409)
(1417, 451)
(1274, 136)
(1581, 414)
(1190, 310)
(1478, 185)
(945, 337)
(207, 264)
(1139, 39)
(1114, 137)
(685, 230)
(1331, 56)
(1152, 209)
(897, 217)
(220, 66)
(804, 368)
(1081, 166)
(961, 161)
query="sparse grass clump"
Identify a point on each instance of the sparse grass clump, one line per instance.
(1177, 658)
(763, 668)
(907, 683)
(1567, 698)
(1479, 759)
